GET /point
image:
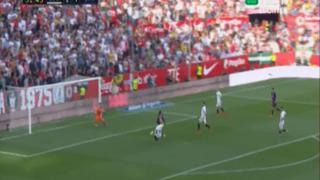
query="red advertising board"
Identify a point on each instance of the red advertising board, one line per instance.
(315, 60)
(209, 69)
(235, 64)
(117, 100)
(157, 75)
(181, 73)
(284, 58)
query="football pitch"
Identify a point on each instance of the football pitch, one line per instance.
(242, 144)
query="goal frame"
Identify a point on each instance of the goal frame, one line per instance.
(99, 79)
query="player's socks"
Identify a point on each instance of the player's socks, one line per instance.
(208, 126)
(198, 126)
(217, 111)
(280, 131)
(272, 112)
(155, 138)
(222, 111)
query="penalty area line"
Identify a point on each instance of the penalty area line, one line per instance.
(255, 169)
(266, 99)
(46, 130)
(188, 171)
(13, 154)
(316, 138)
(104, 138)
(42, 131)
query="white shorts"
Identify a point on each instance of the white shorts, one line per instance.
(158, 130)
(203, 119)
(281, 124)
(219, 104)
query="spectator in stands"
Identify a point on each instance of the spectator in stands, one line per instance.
(150, 81)
(46, 44)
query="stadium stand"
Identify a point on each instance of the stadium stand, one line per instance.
(46, 44)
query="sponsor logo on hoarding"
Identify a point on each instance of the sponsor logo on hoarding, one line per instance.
(206, 70)
(174, 73)
(145, 106)
(234, 63)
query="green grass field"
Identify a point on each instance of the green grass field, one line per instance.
(242, 144)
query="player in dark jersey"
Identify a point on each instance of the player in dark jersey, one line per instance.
(273, 101)
(160, 118)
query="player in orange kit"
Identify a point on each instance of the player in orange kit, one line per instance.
(98, 116)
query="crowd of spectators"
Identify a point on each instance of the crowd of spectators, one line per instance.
(46, 44)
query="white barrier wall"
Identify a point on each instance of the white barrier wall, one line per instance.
(252, 76)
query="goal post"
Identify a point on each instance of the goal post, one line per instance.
(59, 93)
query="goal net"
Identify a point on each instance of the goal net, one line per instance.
(45, 96)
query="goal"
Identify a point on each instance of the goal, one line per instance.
(74, 89)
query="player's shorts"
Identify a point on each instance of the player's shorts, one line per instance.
(281, 124)
(219, 104)
(203, 119)
(158, 131)
(98, 119)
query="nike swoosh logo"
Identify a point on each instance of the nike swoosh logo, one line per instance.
(207, 71)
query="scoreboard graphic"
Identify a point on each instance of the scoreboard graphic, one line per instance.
(251, 2)
(59, 2)
(263, 6)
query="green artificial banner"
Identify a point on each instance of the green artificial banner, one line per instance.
(263, 58)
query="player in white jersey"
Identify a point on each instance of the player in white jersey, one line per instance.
(219, 107)
(203, 116)
(283, 114)
(157, 133)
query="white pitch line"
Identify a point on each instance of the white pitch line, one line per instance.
(56, 128)
(236, 157)
(266, 99)
(261, 86)
(235, 91)
(84, 122)
(13, 154)
(104, 137)
(316, 138)
(80, 123)
(42, 131)
(255, 169)
(96, 139)
(180, 114)
(13, 137)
